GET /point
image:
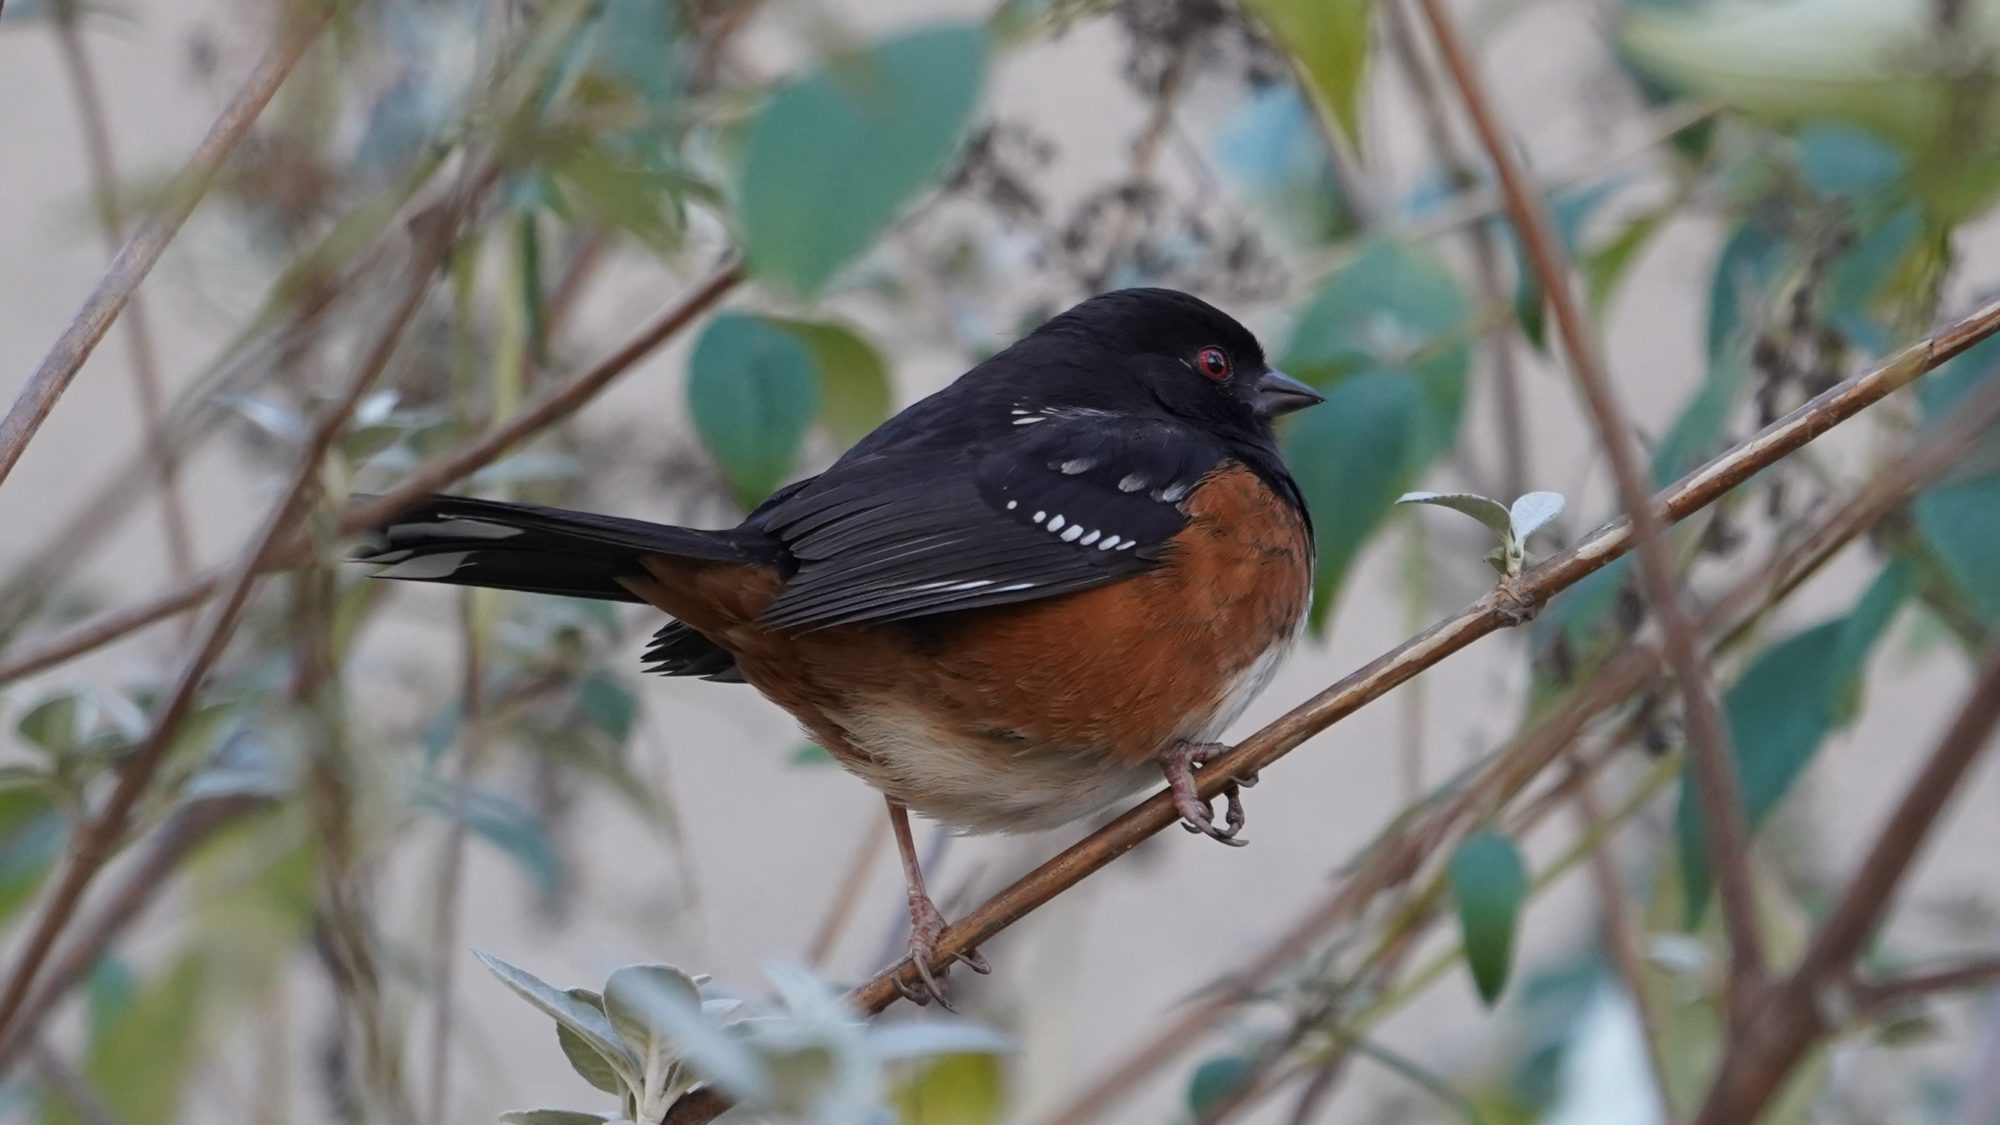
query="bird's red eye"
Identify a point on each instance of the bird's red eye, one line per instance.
(1213, 362)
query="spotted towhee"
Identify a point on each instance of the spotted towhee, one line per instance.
(1009, 606)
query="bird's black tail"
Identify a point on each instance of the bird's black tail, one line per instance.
(540, 550)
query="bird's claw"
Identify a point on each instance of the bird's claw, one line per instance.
(1198, 815)
(926, 927)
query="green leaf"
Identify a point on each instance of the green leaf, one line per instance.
(32, 834)
(1216, 1081)
(810, 754)
(608, 705)
(554, 1117)
(1489, 881)
(752, 393)
(1569, 210)
(1746, 275)
(583, 1019)
(635, 40)
(1351, 458)
(1840, 161)
(144, 1049)
(620, 193)
(1393, 308)
(836, 154)
(1868, 64)
(1605, 267)
(1328, 40)
(55, 724)
(1780, 712)
(967, 1089)
(586, 1060)
(854, 380)
(1960, 521)
(503, 822)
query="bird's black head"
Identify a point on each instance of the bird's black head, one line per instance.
(1177, 353)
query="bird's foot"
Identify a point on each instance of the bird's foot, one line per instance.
(1198, 815)
(926, 927)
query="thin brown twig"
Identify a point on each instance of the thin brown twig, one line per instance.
(554, 405)
(1495, 611)
(102, 160)
(1978, 972)
(147, 243)
(1781, 1032)
(95, 842)
(1711, 760)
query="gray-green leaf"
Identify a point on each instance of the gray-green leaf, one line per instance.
(586, 1060)
(646, 1003)
(1533, 512)
(585, 1021)
(1486, 510)
(1489, 880)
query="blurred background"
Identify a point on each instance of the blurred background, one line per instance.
(1762, 198)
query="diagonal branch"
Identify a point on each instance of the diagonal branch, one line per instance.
(1710, 758)
(140, 254)
(1495, 611)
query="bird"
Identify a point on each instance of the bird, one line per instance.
(1015, 603)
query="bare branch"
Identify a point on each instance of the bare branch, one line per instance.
(136, 260)
(1711, 760)
(1980, 972)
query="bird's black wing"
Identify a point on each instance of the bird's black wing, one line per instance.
(1063, 502)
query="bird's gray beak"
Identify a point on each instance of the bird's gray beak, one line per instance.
(1279, 393)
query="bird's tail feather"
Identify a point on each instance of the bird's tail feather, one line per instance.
(542, 550)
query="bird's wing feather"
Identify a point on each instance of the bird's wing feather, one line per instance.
(1068, 502)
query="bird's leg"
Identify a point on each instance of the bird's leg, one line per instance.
(926, 923)
(1179, 764)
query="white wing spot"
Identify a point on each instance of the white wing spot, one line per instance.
(1110, 541)
(1089, 539)
(1127, 545)
(1055, 523)
(430, 566)
(1074, 533)
(1131, 482)
(1013, 504)
(1172, 494)
(1077, 465)
(1029, 420)
(1040, 516)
